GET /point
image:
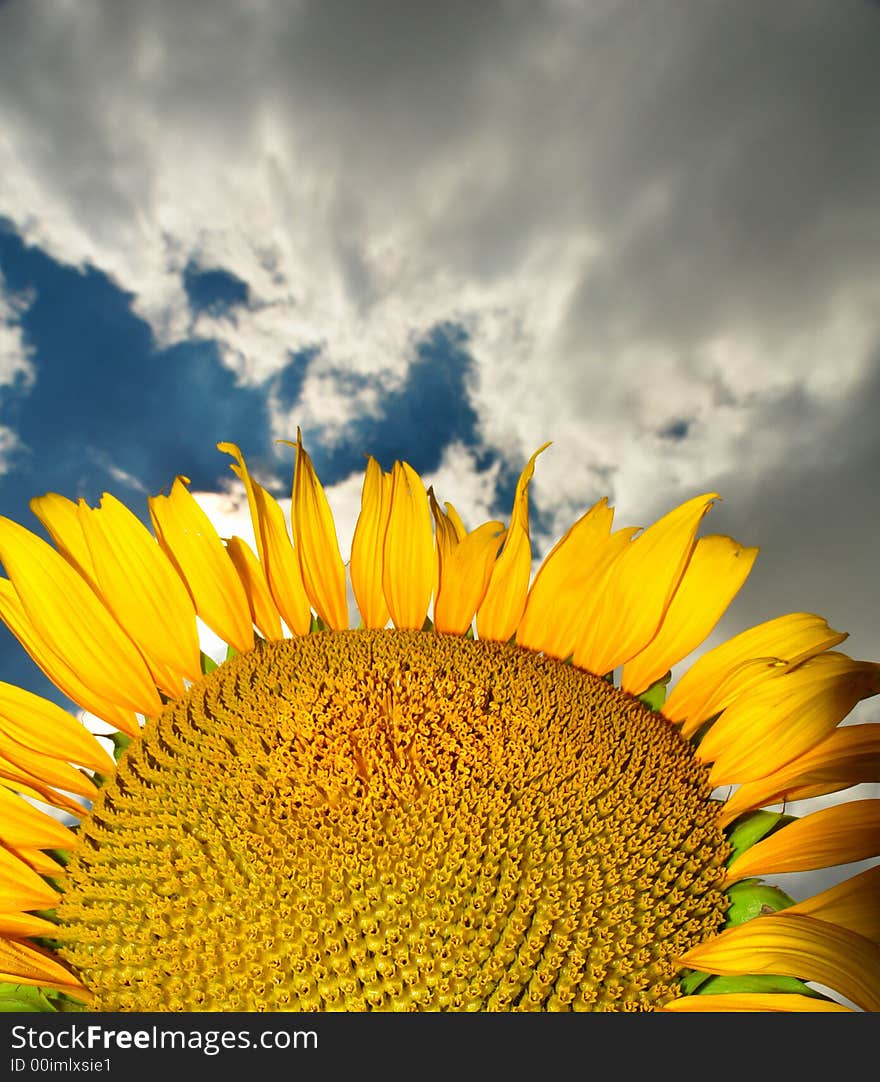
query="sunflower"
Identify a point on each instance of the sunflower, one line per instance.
(480, 798)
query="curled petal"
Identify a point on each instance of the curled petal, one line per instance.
(785, 717)
(791, 639)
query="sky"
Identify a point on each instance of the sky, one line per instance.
(644, 230)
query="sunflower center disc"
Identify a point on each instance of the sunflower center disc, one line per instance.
(378, 820)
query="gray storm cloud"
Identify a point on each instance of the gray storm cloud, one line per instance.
(657, 222)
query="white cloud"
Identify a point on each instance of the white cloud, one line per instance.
(650, 221)
(16, 363)
(10, 448)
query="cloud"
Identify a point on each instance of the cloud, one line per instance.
(655, 228)
(16, 364)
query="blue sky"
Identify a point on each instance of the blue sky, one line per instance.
(449, 233)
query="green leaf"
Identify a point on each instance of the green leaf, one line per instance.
(120, 743)
(752, 827)
(655, 696)
(692, 980)
(753, 982)
(25, 998)
(751, 898)
(208, 663)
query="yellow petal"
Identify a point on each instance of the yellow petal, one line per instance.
(849, 756)
(503, 606)
(142, 589)
(74, 624)
(23, 925)
(275, 550)
(552, 619)
(46, 728)
(453, 518)
(21, 824)
(23, 963)
(640, 587)
(790, 638)
(29, 784)
(368, 544)
(753, 1002)
(21, 887)
(317, 545)
(499, 614)
(39, 861)
(56, 668)
(796, 946)
(740, 681)
(408, 555)
(60, 516)
(717, 570)
(263, 610)
(784, 717)
(840, 834)
(852, 904)
(190, 541)
(49, 770)
(465, 570)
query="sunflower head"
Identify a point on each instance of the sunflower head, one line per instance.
(481, 797)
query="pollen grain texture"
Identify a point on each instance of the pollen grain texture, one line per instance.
(395, 821)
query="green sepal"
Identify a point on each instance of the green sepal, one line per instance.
(752, 827)
(655, 696)
(751, 898)
(469, 634)
(26, 998)
(317, 624)
(692, 980)
(62, 856)
(231, 652)
(120, 742)
(68, 1004)
(208, 664)
(428, 625)
(755, 982)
